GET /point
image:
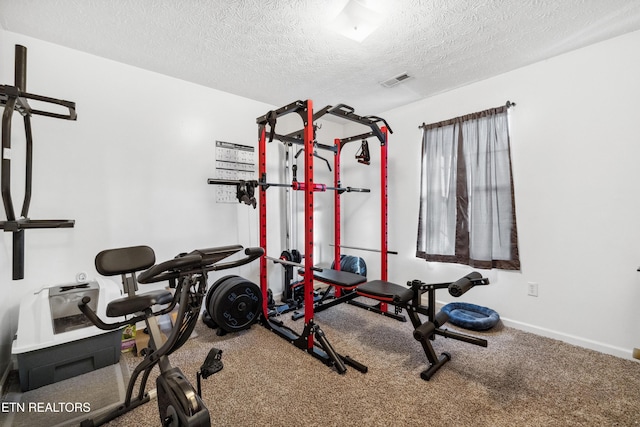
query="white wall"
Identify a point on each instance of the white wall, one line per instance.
(131, 170)
(575, 151)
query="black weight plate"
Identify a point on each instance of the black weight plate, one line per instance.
(217, 296)
(225, 308)
(297, 257)
(236, 304)
(213, 287)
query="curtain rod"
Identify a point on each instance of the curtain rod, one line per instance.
(508, 104)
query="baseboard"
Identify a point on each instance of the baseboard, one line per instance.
(625, 353)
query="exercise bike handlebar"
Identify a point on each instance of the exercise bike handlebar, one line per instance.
(462, 285)
(170, 269)
(197, 261)
(251, 255)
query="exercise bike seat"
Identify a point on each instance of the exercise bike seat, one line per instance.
(138, 303)
(123, 261)
(385, 291)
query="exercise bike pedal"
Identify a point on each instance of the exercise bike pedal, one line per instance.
(212, 363)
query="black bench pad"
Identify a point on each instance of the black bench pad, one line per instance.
(385, 291)
(137, 303)
(344, 279)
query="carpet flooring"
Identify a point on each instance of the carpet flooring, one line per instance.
(520, 379)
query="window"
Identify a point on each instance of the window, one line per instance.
(467, 208)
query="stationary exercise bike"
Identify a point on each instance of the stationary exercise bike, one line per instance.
(178, 403)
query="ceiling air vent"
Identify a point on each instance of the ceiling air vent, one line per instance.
(395, 80)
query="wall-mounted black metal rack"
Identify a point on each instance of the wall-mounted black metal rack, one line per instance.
(16, 99)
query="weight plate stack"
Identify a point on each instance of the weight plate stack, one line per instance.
(207, 319)
(235, 304)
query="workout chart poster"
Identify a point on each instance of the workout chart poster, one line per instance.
(235, 162)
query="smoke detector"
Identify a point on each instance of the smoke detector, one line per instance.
(395, 80)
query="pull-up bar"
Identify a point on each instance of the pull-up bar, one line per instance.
(341, 110)
(15, 98)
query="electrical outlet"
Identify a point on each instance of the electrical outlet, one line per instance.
(532, 289)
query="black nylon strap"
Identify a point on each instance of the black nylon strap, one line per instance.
(272, 116)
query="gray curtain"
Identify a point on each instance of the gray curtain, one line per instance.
(467, 208)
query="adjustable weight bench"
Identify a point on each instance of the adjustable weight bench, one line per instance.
(343, 284)
(342, 288)
(410, 299)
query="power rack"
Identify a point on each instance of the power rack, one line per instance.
(312, 339)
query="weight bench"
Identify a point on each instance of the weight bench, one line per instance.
(410, 299)
(342, 288)
(342, 283)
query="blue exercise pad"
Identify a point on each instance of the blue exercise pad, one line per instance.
(471, 316)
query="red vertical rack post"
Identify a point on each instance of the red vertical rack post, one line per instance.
(384, 269)
(336, 206)
(337, 230)
(262, 171)
(308, 222)
(384, 217)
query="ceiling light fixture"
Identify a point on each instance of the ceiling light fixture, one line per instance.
(356, 21)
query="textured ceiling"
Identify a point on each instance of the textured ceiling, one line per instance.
(277, 51)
